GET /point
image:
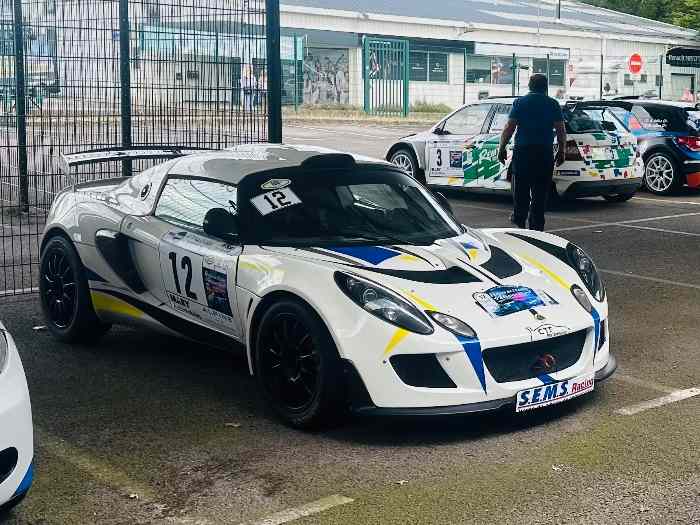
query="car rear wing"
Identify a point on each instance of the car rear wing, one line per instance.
(98, 156)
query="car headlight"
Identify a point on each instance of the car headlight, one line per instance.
(3, 351)
(452, 324)
(585, 268)
(582, 298)
(383, 303)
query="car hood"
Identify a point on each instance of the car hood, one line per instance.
(476, 278)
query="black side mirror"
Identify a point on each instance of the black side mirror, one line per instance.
(608, 126)
(444, 202)
(221, 224)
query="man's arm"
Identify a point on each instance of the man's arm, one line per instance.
(561, 142)
(506, 135)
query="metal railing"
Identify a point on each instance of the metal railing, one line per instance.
(85, 74)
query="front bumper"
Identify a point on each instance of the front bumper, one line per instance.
(359, 403)
(601, 187)
(16, 432)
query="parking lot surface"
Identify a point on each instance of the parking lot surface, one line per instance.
(147, 429)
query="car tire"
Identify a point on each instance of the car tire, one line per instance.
(297, 366)
(619, 197)
(661, 174)
(407, 161)
(65, 296)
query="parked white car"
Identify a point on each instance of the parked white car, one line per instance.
(16, 431)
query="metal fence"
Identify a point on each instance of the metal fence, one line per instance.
(84, 74)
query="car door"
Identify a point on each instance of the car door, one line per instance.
(453, 154)
(198, 270)
(492, 173)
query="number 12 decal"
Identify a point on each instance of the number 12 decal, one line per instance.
(186, 264)
(276, 200)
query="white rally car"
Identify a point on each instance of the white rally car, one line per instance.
(461, 151)
(348, 282)
(16, 433)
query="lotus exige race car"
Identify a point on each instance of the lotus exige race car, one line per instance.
(348, 282)
(16, 433)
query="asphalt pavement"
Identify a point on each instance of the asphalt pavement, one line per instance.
(147, 429)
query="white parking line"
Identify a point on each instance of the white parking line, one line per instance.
(642, 383)
(673, 397)
(652, 279)
(17, 291)
(102, 472)
(624, 223)
(308, 509)
(660, 201)
(661, 230)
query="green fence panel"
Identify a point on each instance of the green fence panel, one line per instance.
(386, 72)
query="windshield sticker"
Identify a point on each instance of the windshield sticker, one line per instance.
(276, 200)
(276, 184)
(505, 300)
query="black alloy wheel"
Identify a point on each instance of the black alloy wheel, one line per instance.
(297, 366)
(65, 295)
(60, 288)
(290, 362)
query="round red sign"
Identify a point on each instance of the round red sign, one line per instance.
(635, 63)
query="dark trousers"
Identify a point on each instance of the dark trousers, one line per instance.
(533, 168)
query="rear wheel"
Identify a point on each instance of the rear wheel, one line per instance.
(661, 176)
(65, 296)
(297, 366)
(619, 197)
(406, 160)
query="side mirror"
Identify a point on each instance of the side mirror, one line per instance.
(444, 202)
(221, 224)
(608, 126)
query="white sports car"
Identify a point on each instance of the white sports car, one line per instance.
(16, 433)
(348, 282)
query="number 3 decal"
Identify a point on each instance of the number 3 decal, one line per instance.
(186, 264)
(439, 158)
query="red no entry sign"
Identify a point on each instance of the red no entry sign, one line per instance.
(635, 63)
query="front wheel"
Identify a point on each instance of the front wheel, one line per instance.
(406, 160)
(65, 296)
(620, 197)
(297, 366)
(661, 176)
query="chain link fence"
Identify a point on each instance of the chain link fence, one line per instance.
(87, 74)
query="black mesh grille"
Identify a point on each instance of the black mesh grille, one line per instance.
(8, 462)
(422, 370)
(523, 361)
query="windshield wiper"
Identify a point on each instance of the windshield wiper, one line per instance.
(381, 237)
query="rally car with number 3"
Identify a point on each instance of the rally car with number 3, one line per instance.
(348, 283)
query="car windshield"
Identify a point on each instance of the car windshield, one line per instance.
(338, 207)
(583, 120)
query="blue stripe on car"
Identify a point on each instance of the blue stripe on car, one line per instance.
(371, 254)
(472, 347)
(26, 482)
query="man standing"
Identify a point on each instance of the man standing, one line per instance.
(534, 116)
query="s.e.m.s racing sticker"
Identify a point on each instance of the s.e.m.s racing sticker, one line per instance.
(505, 300)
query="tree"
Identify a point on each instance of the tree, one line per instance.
(686, 13)
(680, 12)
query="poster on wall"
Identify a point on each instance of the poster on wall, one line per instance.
(326, 76)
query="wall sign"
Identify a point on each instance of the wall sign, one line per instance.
(683, 57)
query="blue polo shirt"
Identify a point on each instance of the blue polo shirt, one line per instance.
(536, 114)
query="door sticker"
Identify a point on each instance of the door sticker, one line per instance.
(275, 200)
(455, 159)
(216, 290)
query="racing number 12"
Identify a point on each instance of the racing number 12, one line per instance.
(278, 196)
(185, 263)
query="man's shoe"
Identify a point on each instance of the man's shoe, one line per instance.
(519, 224)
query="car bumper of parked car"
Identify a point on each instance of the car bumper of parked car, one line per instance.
(602, 187)
(362, 405)
(16, 434)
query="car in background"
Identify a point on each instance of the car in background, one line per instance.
(668, 135)
(461, 151)
(16, 431)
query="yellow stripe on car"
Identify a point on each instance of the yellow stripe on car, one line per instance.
(555, 277)
(419, 300)
(398, 336)
(103, 302)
